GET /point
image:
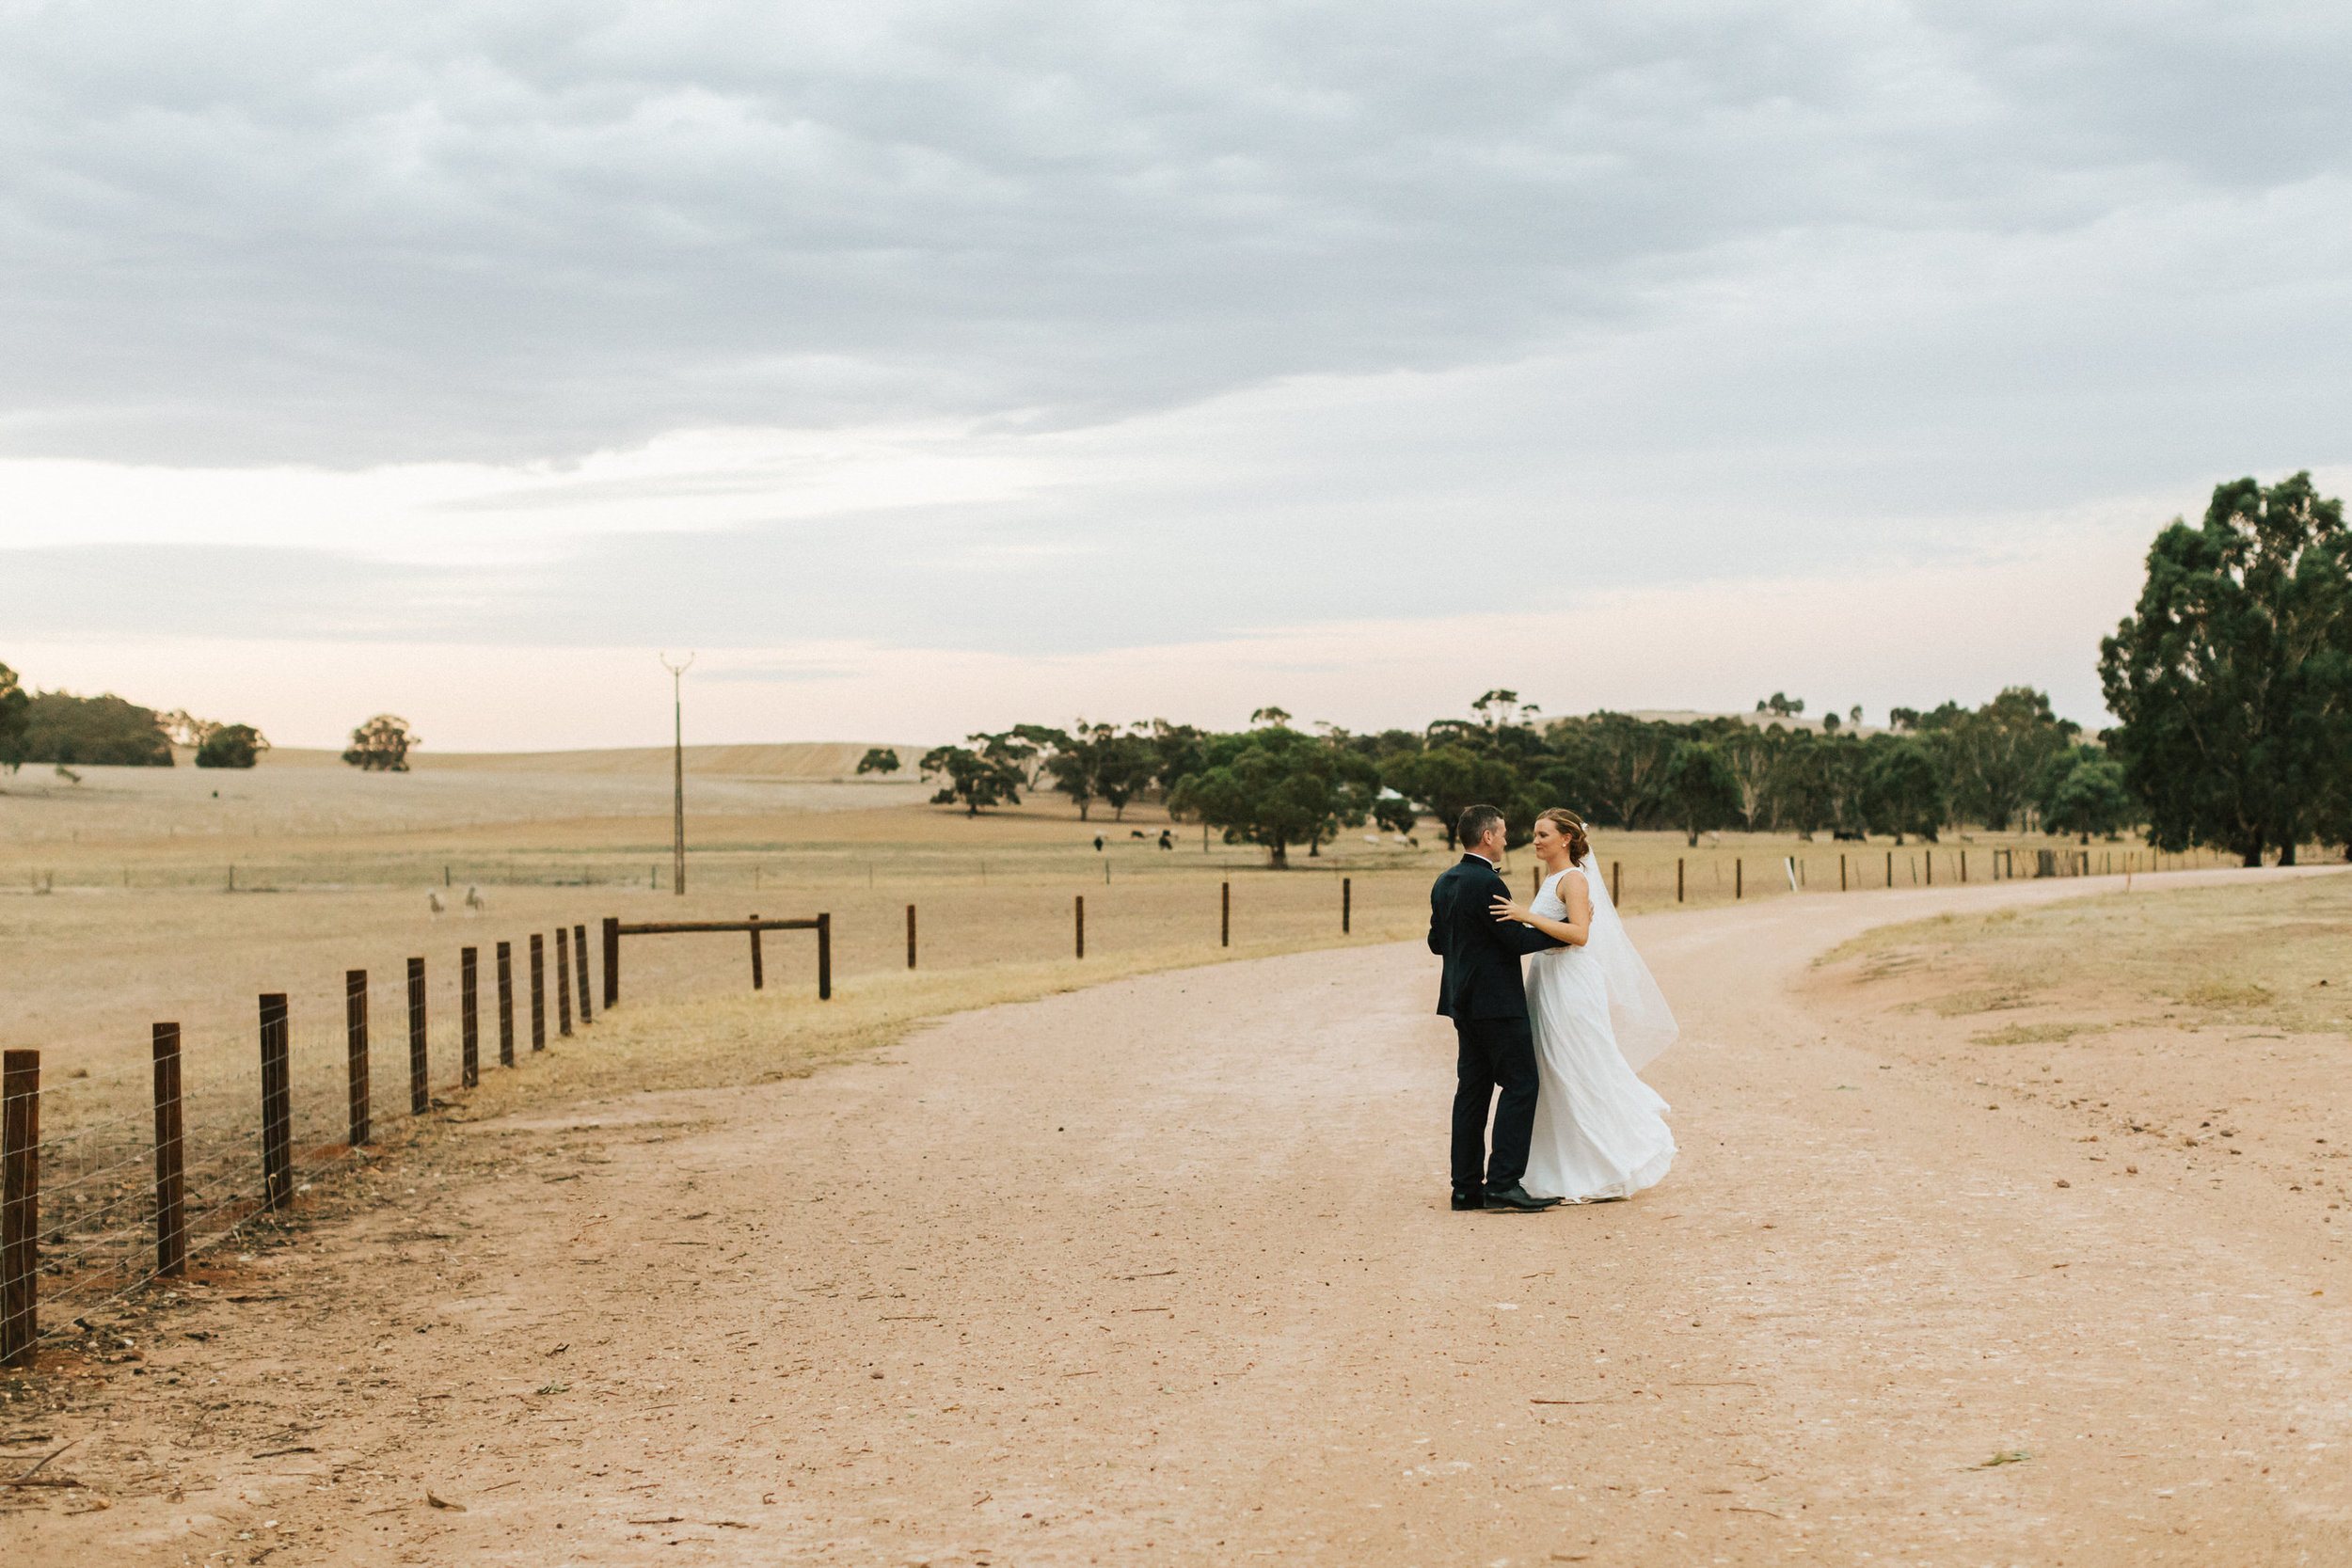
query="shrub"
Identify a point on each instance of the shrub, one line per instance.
(381, 744)
(231, 746)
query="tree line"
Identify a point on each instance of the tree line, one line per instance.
(2232, 682)
(2010, 762)
(107, 731)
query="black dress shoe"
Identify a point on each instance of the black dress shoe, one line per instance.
(1518, 1197)
(1468, 1200)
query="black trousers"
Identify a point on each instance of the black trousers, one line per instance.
(1496, 1052)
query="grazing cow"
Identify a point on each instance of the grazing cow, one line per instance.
(1098, 843)
(1168, 840)
(474, 901)
(1844, 836)
(432, 904)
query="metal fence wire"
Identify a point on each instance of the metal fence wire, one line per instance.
(91, 1190)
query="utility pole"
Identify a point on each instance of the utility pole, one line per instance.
(678, 773)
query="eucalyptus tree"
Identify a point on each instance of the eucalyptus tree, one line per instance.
(1752, 753)
(2232, 677)
(2082, 790)
(1993, 754)
(1446, 780)
(1095, 762)
(974, 778)
(381, 744)
(1701, 794)
(1902, 788)
(13, 702)
(231, 746)
(1275, 788)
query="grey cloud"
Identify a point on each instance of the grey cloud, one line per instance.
(266, 232)
(135, 590)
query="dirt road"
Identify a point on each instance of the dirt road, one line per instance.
(1164, 1272)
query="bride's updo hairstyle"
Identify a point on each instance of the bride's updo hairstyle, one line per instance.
(1571, 828)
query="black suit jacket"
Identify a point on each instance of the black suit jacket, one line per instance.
(1481, 953)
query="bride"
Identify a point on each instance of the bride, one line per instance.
(1600, 1133)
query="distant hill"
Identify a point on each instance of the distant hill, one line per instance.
(1761, 721)
(806, 759)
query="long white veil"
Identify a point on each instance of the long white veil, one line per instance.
(1644, 1024)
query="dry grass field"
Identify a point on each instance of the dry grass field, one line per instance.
(128, 871)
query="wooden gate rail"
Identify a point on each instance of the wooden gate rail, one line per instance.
(615, 931)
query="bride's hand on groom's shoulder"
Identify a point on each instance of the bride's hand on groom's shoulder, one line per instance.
(1502, 910)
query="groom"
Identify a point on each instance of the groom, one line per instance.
(1482, 994)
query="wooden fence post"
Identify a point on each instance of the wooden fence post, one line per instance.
(1890, 869)
(420, 1092)
(276, 1106)
(469, 1016)
(824, 958)
(1738, 886)
(612, 961)
(171, 1221)
(579, 952)
(20, 1205)
(1677, 879)
(1928, 855)
(1841, 873)
(355, 1050)
(1348, 901)
(1616, 883)
(1225, 915)
(563, 982)
(1963, 866)
(759, 978)
(910, 936)
(538, 992)
(1081, 917)
(506, 1003)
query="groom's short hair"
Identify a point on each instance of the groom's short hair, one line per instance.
(1475, 824)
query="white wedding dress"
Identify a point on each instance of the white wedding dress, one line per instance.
(1600, 1132)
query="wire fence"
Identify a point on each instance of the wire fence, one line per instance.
(114, 1177)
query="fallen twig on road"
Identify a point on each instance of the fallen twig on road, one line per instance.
(27, 1479)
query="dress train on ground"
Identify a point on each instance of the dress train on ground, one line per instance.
(1600, 1133)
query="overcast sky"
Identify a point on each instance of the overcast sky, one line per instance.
(932, 367)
